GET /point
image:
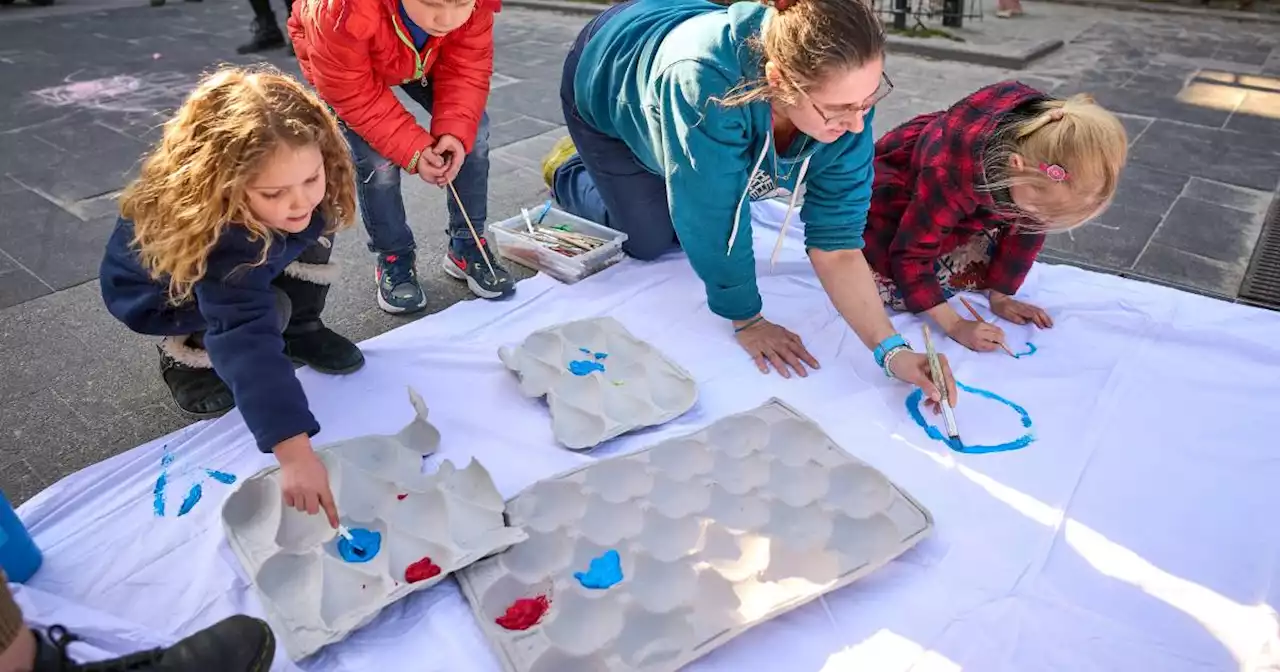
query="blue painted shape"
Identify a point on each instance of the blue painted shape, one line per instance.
(605, 572)
(366, 546)
(584, 367)
(584, 351)
(221, 476)
(1031, 350)
(192, 498)
(161, 483)
(913, 408)
(601, 355)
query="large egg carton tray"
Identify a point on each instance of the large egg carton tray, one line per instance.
(714, 533)
(599, 380)
(429, 525)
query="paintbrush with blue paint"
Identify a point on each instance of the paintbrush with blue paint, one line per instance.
(935, 368)
(345, 533)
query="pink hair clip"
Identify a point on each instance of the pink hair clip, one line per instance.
(1054, 171)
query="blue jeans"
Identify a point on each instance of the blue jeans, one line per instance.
(605, 182)
(382, 205)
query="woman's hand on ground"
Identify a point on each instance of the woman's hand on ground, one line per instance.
(773, 346)
(980, 336)
(913, 368)
(1019, 312)
(304, 480)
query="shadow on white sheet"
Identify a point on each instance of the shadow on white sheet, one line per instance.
(1135, 529)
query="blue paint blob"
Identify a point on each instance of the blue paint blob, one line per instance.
(584, 351)
(605, 572)
(367, 545)
(584, 367)
(913, 408)
(1031, 350)
(221, 476)
(601, 355)
(192, 498)
(161, 483)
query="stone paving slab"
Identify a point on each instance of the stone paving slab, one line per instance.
(83, 92)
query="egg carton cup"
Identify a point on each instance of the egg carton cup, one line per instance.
(599, 380)
(311, 596)
(715, 532)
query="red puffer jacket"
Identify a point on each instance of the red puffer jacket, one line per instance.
(354, 51)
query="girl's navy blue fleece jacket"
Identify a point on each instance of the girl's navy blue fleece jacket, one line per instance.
(235, 305)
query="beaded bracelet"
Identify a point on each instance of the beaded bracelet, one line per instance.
(748, 325)
(888, 359)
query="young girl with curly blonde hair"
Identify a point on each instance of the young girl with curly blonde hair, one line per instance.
(962, 200)
(222, 248)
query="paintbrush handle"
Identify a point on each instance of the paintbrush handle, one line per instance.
(972, 310)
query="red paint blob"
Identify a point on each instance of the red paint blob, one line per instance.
(524, 613)
(421, 570)
(402, 496)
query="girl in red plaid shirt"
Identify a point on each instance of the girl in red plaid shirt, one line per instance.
(962, 200)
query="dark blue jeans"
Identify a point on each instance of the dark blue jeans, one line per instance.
(605, 182)
(382, 205)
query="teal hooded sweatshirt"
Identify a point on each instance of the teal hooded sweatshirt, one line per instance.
(651, 77)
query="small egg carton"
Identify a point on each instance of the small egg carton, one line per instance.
(713, 533)
(599, 380)
(429, 525)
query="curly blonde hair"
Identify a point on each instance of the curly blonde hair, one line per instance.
(192, 185)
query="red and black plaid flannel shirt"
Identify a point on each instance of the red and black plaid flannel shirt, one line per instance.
(927, 198)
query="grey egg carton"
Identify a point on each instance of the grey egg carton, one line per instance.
(716, 532)
(638, 386)
(313, 598)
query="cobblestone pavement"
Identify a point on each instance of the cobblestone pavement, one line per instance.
(85, 85)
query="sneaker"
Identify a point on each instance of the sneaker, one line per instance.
(266, 36)
(197, 390)
(236, 644)
(325, 351)
(469, 265)
(398, 288)
(560, 152)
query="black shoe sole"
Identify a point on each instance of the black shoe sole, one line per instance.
(196, 415)
(328, 371)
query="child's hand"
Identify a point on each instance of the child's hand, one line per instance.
(452, 154)
(304, 479)
(431, 168)
(980, 336)
(1019, 312)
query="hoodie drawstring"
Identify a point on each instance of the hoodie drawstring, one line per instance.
(791, 208)
(786, 221)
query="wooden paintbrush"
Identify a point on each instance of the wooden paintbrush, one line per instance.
(935, 367)
(978, 317)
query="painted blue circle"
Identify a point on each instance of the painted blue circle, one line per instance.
(367, 544)
(913, 408)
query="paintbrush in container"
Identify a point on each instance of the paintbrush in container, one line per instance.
(976, 316)
(935, 367)
(345, 533)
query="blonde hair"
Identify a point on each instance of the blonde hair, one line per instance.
(1076, 134)
(192, 185)
(808, 40)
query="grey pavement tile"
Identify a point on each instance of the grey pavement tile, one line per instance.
(1212, 231)
(519, 128)
(1134, 126)
(1238, 198)
(19, 482)
(1115, 240)
(1175, 265)
(58, 247)
(1145, 103)
(529, 98)
(1225, 156)
(1259, 113)
(42, 430)
(17, 284)
(95, 159)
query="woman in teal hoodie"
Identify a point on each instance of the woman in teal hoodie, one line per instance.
(683, 111)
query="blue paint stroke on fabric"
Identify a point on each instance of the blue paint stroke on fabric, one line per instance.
(601, 355)
(913, 408)
(192, 498)
(583, 367)
(585, 351)
(1031, 350)
(221, 476)
(605, 572)
(161, 483)
(366, 546)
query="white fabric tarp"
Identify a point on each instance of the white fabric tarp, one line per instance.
(1135, 533)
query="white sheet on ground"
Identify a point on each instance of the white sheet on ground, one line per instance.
(1136, 532)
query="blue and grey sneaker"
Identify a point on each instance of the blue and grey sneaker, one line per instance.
(464, 262)
(398, 288)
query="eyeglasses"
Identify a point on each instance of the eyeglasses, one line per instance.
(838, 118)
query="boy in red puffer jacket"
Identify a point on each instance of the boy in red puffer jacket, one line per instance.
(440, 52)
